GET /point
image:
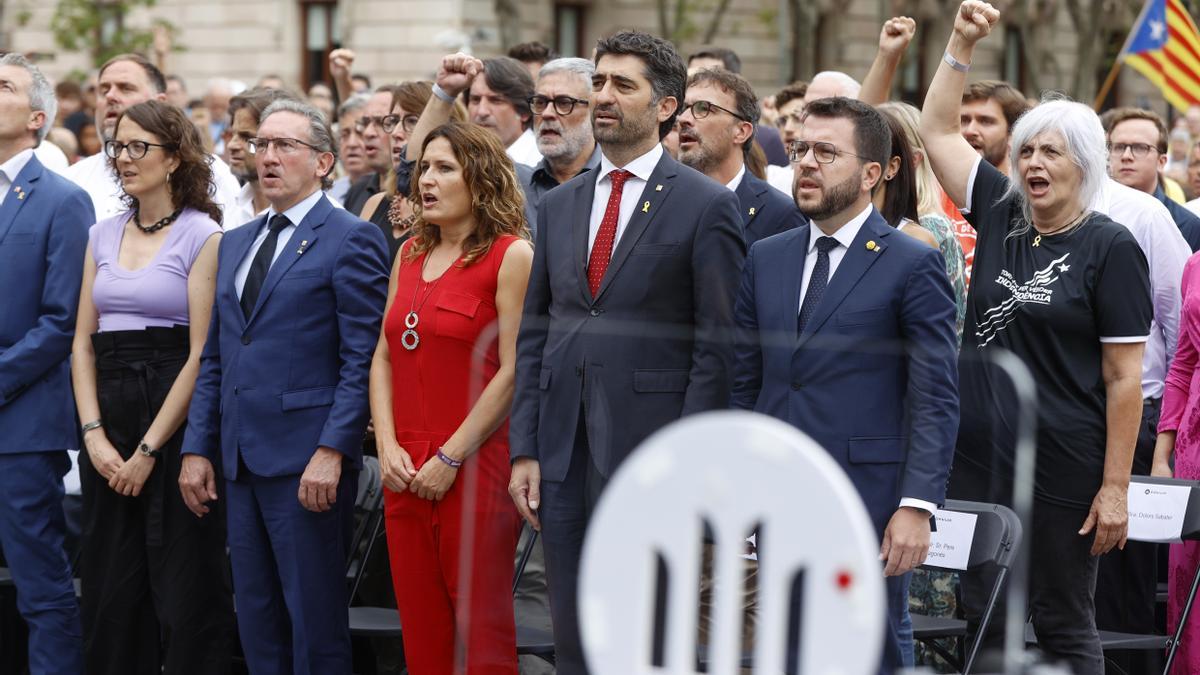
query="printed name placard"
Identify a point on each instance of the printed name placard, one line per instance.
(950, 545)
(1156, 512)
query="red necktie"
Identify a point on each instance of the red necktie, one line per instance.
(602, 248)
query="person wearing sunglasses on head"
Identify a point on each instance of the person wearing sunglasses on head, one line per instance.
(149, 567)
(394, 216)
(716, 132)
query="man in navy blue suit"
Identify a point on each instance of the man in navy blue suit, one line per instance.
(44, 221)
(716, 131)
(281, 399)
(628, 314)
(854, 339)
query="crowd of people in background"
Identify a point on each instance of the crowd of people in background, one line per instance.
(498, 282)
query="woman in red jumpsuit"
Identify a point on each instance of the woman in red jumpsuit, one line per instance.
(441, 388)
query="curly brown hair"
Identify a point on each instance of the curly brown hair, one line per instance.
(191, 183)
(497, 201)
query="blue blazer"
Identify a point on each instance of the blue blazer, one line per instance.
(652, 345)
(765, 210)
(873, 378)
(294, 376)
(43, 236)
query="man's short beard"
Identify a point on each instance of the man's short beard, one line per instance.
(247, 176)
(835, 199)
(704, 159)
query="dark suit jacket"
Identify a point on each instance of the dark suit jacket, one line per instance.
(765, 210)
(873, 378)
(294, 376)
(654, 344)
(1188, 222)
(43, 236)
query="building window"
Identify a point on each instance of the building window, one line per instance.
(568, 29)
(1013, 69)
(320, 26)
(912, 71)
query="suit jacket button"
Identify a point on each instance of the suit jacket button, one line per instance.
(245, 339)
(594, 312)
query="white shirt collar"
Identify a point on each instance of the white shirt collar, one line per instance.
(845, 235)
(15, 164)
(297, 213)
(734, 184)
(641, 167)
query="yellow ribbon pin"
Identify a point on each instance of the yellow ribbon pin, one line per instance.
(751, 210)
(646, 207)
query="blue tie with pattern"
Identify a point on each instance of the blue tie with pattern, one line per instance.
(817, 284)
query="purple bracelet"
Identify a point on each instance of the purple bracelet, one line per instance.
(452, 463)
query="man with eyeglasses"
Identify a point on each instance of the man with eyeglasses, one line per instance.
(245, 110)
(281, 398)
(351, 153)
(44, 222)
(1137, 143)
(716, 131)
(377, 148)
(849, 316)
(562, 124)
(125, 80)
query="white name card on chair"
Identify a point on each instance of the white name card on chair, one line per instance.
(1156, 511)
(735, 471)
(950, 545)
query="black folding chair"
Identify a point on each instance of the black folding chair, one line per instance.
(996, 539)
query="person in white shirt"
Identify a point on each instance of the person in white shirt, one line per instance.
(125, 80)
(499, 101)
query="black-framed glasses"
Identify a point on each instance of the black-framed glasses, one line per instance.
(701, 109)
(563, 105)
(387, 123)
(824, 153)
(136, 149)
(283, 146)
(1139, 150)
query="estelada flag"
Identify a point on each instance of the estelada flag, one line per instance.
(1164, 45)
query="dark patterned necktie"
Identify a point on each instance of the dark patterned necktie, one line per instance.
(262, 264)
(817, 284)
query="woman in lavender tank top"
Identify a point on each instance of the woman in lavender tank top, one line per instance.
(149, 568)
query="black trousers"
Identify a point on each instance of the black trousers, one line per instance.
(1062, 577)
(1127, 582)
(156, 590)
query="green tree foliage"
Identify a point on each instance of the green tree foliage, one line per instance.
(100, 28)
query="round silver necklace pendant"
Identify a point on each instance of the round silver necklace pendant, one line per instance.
(409, 339)
(411, 320)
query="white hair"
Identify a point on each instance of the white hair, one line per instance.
(848, 85)
(1083, 138)
(583, 69)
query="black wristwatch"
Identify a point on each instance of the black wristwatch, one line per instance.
(147, 451)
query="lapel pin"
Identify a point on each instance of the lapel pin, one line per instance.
(303, 247)
(646, 207)
(871, 245)
(658, 188)
(751, 210)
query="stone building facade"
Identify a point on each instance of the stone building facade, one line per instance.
(404, 39)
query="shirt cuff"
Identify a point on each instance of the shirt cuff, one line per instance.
(930, 507)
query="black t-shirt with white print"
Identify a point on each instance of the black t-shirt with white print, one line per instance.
(1053, 305)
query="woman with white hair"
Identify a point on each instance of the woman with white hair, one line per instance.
(1067, 291)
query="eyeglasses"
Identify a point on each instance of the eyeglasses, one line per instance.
(1139, 150)
(701, 109)
(824, 153)
(563, 105)
(387, 123)
(136, 149)
(283, 146)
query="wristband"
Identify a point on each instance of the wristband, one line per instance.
(953, 63)
(442, 93)
(94, 424)
(449, 461)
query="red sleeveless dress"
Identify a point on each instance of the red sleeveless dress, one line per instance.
(451, 590)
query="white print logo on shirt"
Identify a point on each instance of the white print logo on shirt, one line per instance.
(1036, 290)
